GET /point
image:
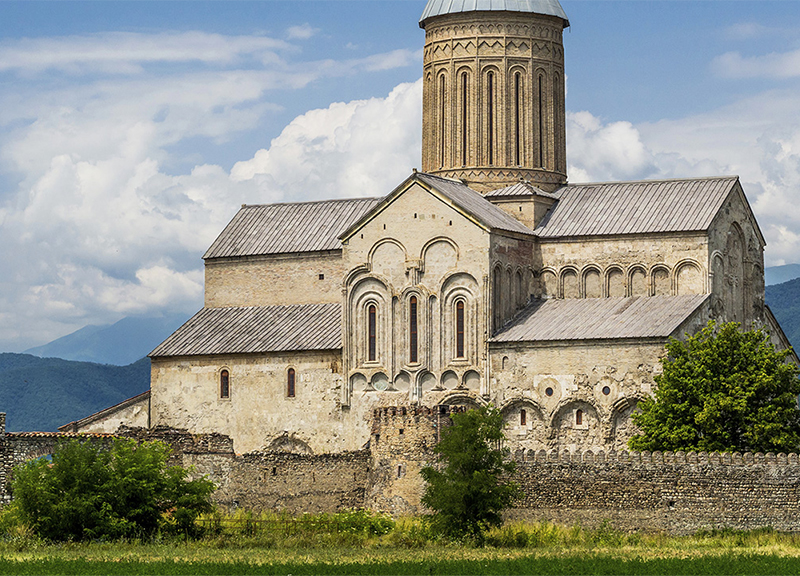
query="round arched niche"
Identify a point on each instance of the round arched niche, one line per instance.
(290, 444)
(427, 382)
(402, 382)
(450, 380)
(472, 381)
(380, 381)
(358, 382)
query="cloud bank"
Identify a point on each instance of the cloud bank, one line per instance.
(98, 224)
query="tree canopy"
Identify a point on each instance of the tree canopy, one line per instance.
(722, 390)
(466, 490)
(91, 491)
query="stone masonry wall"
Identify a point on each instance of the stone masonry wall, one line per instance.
(677, 493)
(256, 481)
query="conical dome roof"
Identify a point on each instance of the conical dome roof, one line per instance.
(440, 7)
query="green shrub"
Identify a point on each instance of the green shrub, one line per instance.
(125, 490)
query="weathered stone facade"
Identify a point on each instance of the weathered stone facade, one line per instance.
(442, 292)
(493, 99)
(677, 493)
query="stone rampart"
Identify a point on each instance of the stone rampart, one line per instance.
(674, 492)
(257, 481)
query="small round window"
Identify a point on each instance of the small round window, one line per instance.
(548, 391)
(606, 390)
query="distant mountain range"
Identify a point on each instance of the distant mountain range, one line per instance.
(784, 301)
(122, 343)
(99, 366)
(781, 274)
(43, 393)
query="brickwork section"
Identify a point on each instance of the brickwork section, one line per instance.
(258, 481)
(677, 493)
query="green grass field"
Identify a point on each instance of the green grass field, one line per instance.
(545, 549)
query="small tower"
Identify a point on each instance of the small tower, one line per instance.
(493, 100)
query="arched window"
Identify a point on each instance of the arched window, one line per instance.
(517, 119)
(578, 417)
(540, 136)
(412, 330)
(490, 117)
(523, 417)
(224, 384)
(464, 112)
(290, 388)
(372, 333)
(442, 108)
(460, 329)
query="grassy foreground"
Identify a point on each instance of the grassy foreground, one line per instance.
(406, 548)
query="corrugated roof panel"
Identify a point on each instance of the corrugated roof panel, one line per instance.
(601, 318)
(256, 329)
(648, 206)
(547, 7)
(519, 189)
(287, 228)
(475, 204)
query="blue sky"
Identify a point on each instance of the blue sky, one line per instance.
(130, 132)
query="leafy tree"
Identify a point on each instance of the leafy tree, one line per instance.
(91, 491)
(467, 491)
(722, 390)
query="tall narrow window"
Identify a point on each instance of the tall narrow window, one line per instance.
(290, 383)
(541, 122)
(460, 329)
(224, 384)
(490, 116)
(557, 99)
(464, 111)
(371, 333)
(578, 417)
(523, 418)
(517, 118)
(412, 330)
(442, 107)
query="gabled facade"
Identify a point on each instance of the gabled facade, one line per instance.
(486, 279)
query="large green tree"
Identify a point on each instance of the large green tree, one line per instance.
(468, 488)
(92, 491)
(722, 389)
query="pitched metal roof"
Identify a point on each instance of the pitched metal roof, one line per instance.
(519, 189)
(636, 207)
(285, 228)
(256, 329)
(601, 318)
(439, 7)
(465, 198)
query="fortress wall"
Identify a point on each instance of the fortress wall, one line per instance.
(677, 493)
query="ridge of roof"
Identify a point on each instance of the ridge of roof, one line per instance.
(651, 181)
(600, 318)
(454, 193)
(475, 204)
(256, 329)
(636, 207)
(441, 7)
(519, 189)
(306, 202)
(288, 227)
(110, 410)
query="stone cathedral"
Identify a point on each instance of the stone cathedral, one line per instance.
(484, 278)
